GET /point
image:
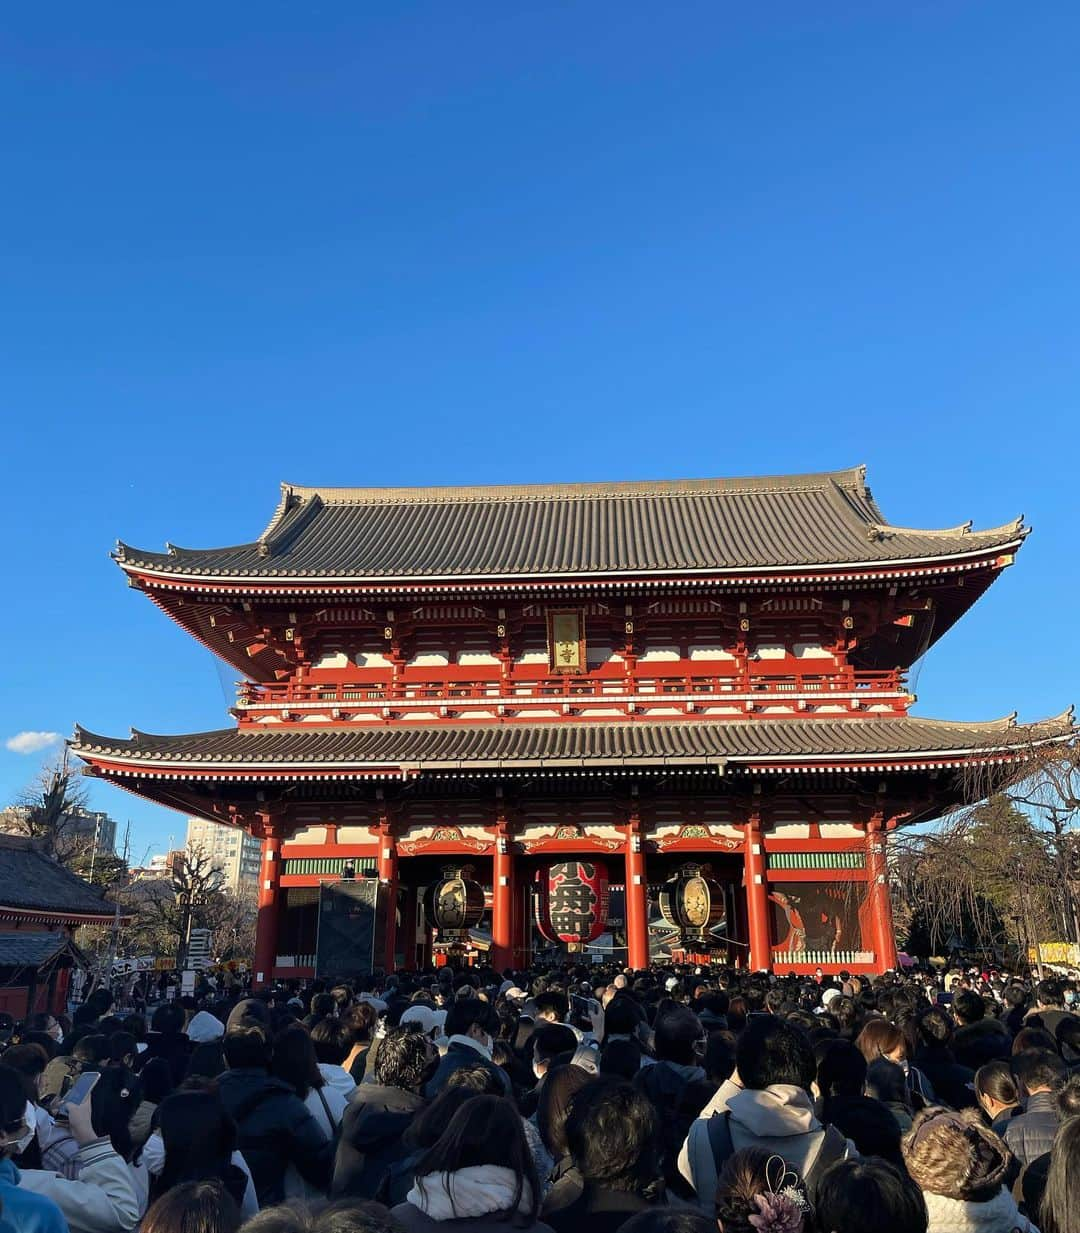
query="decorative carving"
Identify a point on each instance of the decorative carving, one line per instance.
(443, 834)
(570, 834)
(700, 834)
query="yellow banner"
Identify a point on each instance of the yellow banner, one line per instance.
(1067, 953)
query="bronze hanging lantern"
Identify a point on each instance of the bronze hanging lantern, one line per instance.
(572, 901)
(692, 902)
(454, 904)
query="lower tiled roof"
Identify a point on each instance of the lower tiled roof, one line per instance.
(30, 950)
(30, 879)
(555, 745)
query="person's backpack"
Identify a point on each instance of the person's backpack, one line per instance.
(710, 1146)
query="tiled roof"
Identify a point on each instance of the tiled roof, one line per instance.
(30, 879)
(402, 534)
(30, 950)
(564, 745)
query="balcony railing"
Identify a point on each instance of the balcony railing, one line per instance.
(642, 691)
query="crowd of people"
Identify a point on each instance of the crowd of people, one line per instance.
(578, 1099)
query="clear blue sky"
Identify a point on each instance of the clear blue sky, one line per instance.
(457, 243)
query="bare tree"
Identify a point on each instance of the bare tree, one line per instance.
(46, 809)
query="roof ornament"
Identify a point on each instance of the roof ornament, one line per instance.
(965, 527)
(1011, 718)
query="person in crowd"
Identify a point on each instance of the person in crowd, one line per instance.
(997, 1094)
(343, 1216)
(21, 1209)
(471, 1025)
(964, 1171)
(757, 1190)
(614, 1141)
(953, 1083)
(841, 1082)
(479, 1175)
(768, 1105)
(1049, 1009)
(360, 1020)
(887, 1084)
(87, 1052)
(564, 1182)
(199, 1144)
(379, 1114)
(194, 1207)
(105, 1192)
(1039, 1074)
(1057, 1205)
(167, 1040)
(677, 1085)
(979, 1038)
(669, 1220)
(868, 1194)
(332, 1039)
(274, 1127)
(295, 1061)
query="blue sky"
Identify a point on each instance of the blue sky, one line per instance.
(433, 243)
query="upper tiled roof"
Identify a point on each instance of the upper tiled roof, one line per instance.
(545, 530)
(30, 879)
(565, 745)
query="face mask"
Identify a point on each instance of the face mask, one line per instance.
(1070, 997)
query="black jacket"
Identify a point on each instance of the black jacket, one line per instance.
(1031, 1134)
(953, 1084)
(597, 1211)
(456, 1056)
(985, 1040)
(678, 1094)
(275, 1130)
(375, 1120)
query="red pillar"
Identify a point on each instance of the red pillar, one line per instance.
(877, 878)
(757, 895)
(388, 876)
(266, 925)
(502, 903)
(636, 896)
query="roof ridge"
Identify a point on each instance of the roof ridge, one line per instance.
(852, 477)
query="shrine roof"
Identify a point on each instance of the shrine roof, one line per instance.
(557, 746)
(31, 950)
(31, 880)
(402, 535)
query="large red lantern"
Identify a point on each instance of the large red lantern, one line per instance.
(572, 901)
(454, 904)
(693, 903)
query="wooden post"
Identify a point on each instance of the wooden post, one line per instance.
(636, 894)
(410, 927)
(877, 879)
(266, 927)
(757, 894)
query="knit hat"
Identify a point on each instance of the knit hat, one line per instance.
(204, 1027)
(955, 1155)
(249, 1008)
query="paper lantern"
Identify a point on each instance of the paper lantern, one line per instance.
(693, 903)
(454, 904)
(572, 901)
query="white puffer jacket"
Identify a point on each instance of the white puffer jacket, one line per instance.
(997, 1215)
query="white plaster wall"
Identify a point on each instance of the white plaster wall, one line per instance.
(839, 830)
(338, 660)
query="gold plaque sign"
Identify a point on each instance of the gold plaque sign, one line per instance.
(566, 641)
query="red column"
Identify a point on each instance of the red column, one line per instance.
(877, 879)
(388, 876)
(502, 903)
(410, 928)
(636, 895)
(757, 896)
(266, 925)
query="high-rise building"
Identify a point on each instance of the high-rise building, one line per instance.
(93, 827)
(233, 851)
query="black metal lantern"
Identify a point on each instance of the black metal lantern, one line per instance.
(454, 904)
(692, 902)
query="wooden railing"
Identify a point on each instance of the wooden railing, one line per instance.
(641, 685)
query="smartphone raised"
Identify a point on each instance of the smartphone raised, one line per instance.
(78, 1092)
